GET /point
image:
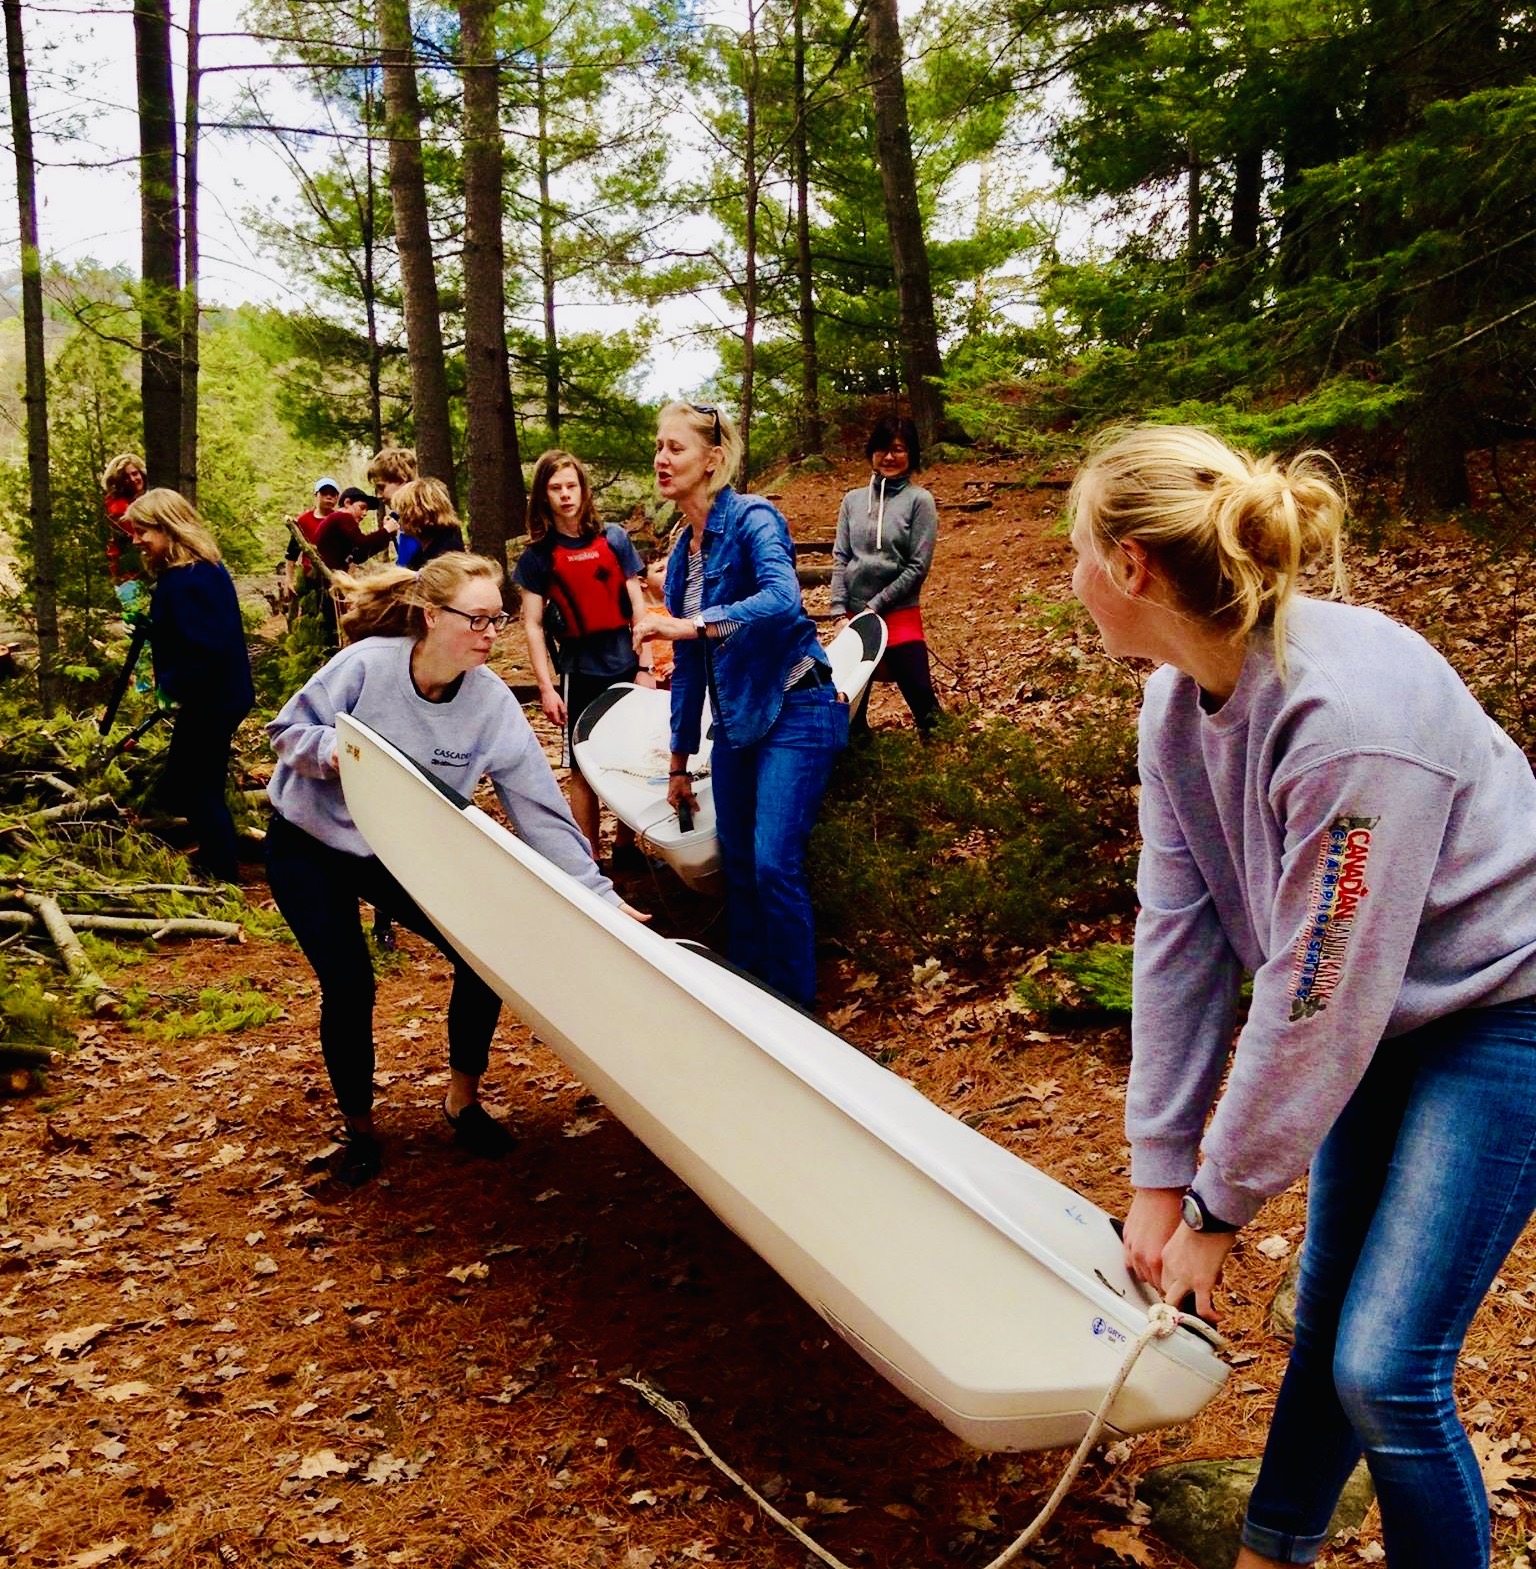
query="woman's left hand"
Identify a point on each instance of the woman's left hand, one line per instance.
(1192, 1262)
(657, 623)
(633, 913)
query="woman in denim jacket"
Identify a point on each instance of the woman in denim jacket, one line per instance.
(733, 610)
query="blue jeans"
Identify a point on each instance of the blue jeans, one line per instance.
(1417, 1195)
(767, 796)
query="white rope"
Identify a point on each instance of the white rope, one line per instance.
(1162, 1320)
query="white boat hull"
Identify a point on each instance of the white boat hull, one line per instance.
(990, 1294)
(622, 744)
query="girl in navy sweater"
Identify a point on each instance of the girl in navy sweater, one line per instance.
(197, 641)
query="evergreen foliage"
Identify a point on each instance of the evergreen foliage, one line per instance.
(989, 836)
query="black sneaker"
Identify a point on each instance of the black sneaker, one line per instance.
(359, 1160)
(478, 1133)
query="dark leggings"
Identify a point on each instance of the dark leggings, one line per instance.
(318, 888)
(194, 782)
(907, 666)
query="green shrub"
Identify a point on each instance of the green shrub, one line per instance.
(1102, 974)
(213, 1011)
(989, 835)
(33, 1012)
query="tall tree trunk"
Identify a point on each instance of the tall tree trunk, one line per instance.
(749, 282)
(189, 299)
(160, 288)
(810, 368)
(44, 571)
(1247, 205)
(413, 242)
(922, 364)
(1194, 213)
(514, 490)
(547, 262)
(484, 278)
(369, 245)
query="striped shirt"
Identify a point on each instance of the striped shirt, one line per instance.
(693, 604)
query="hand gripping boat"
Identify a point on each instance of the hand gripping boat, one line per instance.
(623, 744)
(989, 1294)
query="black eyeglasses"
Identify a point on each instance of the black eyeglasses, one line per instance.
(710, 409)
(480, 623)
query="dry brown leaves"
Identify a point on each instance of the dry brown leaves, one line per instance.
(209, 1359)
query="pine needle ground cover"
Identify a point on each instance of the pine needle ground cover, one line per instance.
(208, 1358)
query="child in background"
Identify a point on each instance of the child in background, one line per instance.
(390, 469)
(427, 521)
(656, 657)
(122, 482)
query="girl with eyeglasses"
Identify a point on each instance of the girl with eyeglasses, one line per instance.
(415, 671)
(588, 579)
(743, 638)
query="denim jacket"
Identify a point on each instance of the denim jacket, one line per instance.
(749, 578)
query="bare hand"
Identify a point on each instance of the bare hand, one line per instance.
(840, 624)
(657, 623)
(646, 678)
(1153, 1218)
(1192, 1262)
(554, 707)
(680, 793)
(633, 913)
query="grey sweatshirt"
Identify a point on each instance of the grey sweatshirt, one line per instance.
(1360, 836)
(480, 731)
(884, 547)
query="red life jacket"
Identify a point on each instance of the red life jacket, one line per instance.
(586, 584)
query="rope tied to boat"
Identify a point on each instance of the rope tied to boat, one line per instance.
(1163, 1320)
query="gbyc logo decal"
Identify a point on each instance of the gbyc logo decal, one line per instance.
(1338, 886)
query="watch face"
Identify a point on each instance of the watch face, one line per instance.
(1189, 1209)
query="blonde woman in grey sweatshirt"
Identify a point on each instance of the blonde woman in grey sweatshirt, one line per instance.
(885, 536)
(1325, 806)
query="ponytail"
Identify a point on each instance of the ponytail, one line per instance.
(1230, 534)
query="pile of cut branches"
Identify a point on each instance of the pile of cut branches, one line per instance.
(79, 854)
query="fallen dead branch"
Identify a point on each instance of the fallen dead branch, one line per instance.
(134, 925)
(101, 998)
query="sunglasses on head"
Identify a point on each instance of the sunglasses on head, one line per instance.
(714, 413)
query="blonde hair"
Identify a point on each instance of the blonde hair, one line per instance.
(176, 518)
(389, 601)
(703, 426)
(114, 476)
(1229, 533)
(424, 507)
(396, 464)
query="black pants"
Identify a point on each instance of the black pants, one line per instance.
(194, 783)
(318, 889)
(907, 666)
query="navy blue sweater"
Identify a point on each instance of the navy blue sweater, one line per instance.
(198, 641)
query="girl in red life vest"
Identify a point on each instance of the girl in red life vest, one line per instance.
(589, 579)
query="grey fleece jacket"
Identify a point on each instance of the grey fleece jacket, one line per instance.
(480, 731)
(884, 547)
(1361, 837)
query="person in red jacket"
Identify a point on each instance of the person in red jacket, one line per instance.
(122, 482)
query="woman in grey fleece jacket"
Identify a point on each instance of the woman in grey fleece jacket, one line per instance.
(1325, 806)
(880, 560)
(415, 671)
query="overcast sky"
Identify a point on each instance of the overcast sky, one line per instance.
(85, 128)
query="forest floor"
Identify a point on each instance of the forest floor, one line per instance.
(208, 1357)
